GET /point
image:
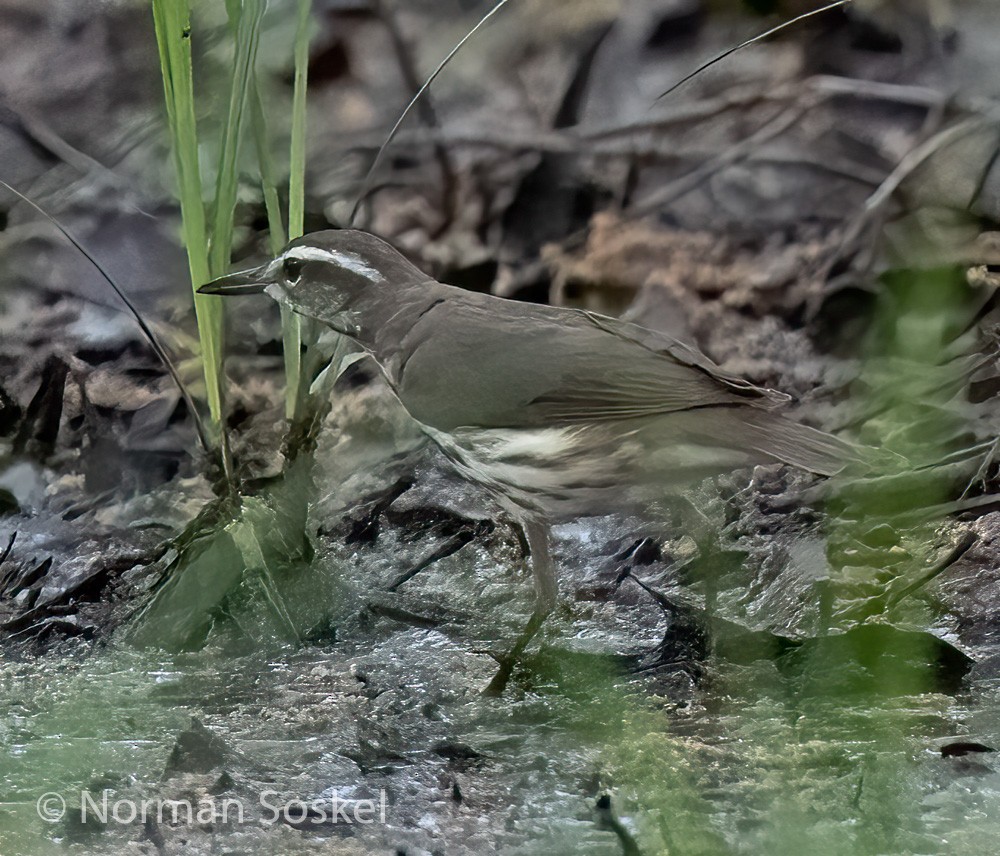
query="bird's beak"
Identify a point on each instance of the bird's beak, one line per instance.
(252, 281)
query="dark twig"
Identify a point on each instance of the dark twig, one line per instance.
(449, 548)
(739, 152)
(965, 543)
(728, 53)
(408, 68)
(583, 140)
(875, 204)
(366, 184)
(39, 134)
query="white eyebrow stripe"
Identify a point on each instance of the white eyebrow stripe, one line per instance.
(349, 261)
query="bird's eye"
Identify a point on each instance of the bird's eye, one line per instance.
(293, 269)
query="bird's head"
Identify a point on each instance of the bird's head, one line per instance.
(329, 276)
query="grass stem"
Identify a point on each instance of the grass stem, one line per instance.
(291, 324)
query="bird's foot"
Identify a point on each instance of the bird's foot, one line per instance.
(508, 661)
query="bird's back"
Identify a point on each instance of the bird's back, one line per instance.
(475, 360)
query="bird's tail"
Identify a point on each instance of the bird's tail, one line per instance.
(777, 437)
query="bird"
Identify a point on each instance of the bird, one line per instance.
(557, 413)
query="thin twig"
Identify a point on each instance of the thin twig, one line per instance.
(965, 543)
(917, 156)
(41, 135)
(980, 474)
(408, 68)
(737, 96)
(919, 96)
(574, 140)
(366, 184)
(910, 162)
(728, 53)
(742, 150)
(844, 169)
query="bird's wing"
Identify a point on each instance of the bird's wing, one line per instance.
(665, 345)
(514, 365)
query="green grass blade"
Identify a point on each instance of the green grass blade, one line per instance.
(275, 225)
(172, 20)
(262, 144)
(291, 339)
(291, 324)
(297, 168)
(268, 181)
(227, 180)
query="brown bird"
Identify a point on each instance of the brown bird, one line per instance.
(557, 413)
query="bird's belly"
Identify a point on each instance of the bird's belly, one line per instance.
(551, 472)
(571, 471)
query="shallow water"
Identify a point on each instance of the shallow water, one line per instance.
(66, 721)
(751, 766)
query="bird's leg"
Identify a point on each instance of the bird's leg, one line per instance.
(546, 590)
